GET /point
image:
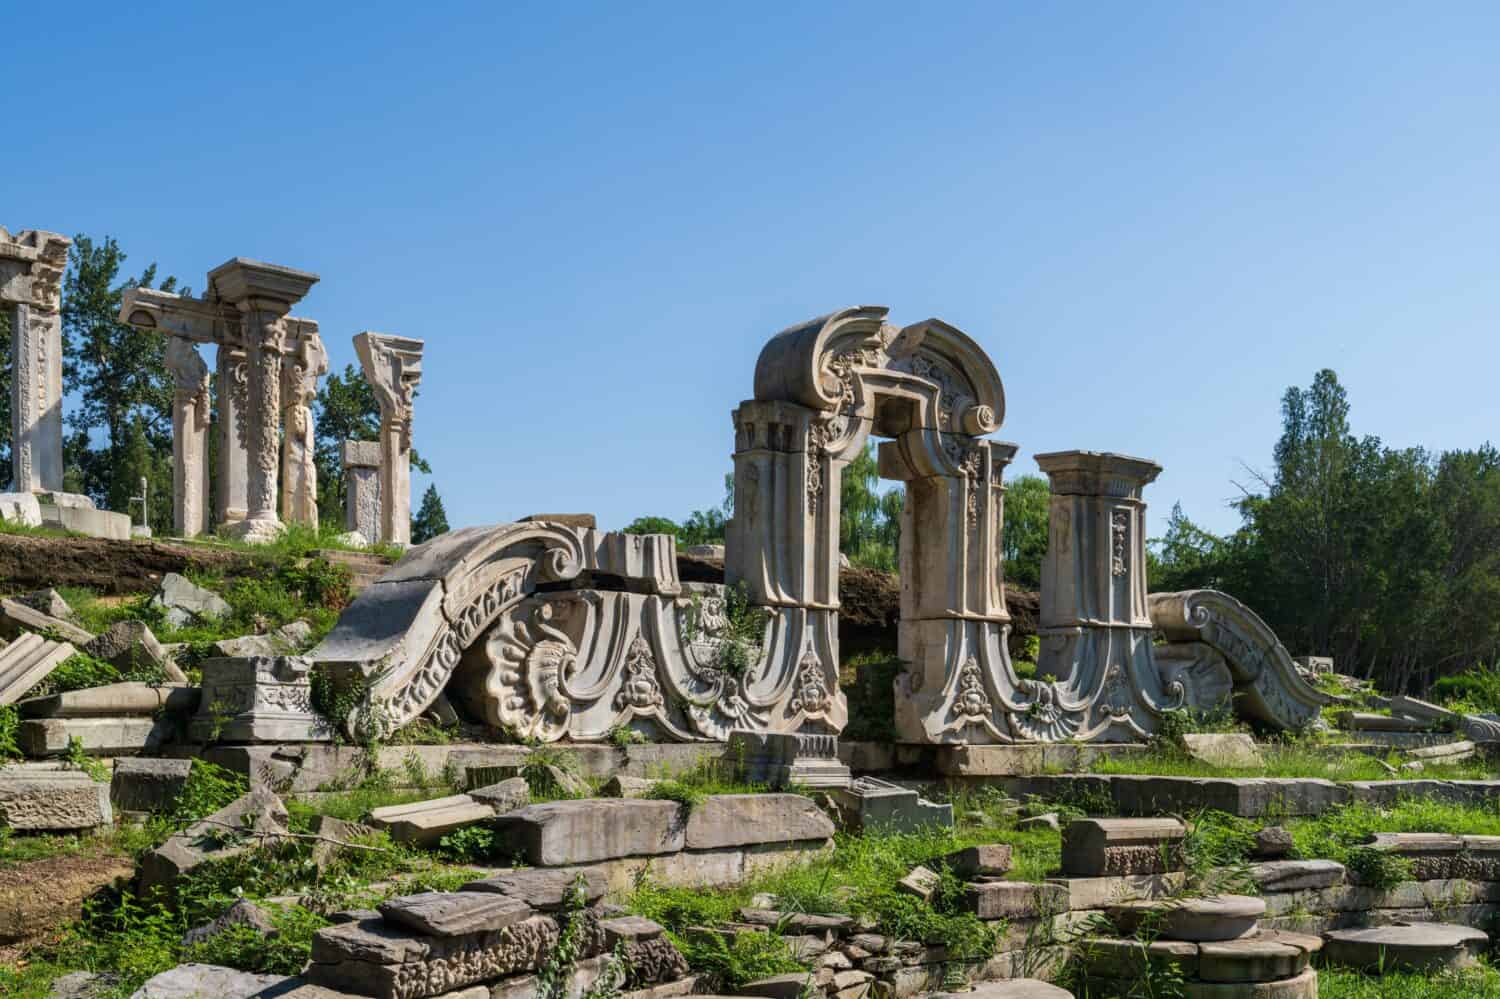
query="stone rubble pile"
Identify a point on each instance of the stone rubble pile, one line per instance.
(1214, 942)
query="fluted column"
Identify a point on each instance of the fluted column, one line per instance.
(190, 418)
(393, 367)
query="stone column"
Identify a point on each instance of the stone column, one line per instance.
(262, 294)
(393, 367)
(31, 272)
(190, 418)
(1095, 623)
(307, 362)
(234, 474)
(362, 489)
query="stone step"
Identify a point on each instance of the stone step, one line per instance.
(425, 822)
(1303, 986)
(1218, 917)
(1407, 946)
(1266, 956)
(26, 662)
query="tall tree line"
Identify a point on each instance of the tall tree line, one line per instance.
(1387, 559)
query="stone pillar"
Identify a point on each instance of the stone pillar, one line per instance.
(362, 489)
(307, 362)
(262, 294)
(393, 367)
(1095, 623)
(234, 474)
(190, 418)
(31, 272)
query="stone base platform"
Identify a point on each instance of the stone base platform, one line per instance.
(71, 512)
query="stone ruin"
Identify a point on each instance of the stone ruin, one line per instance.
(554, 631)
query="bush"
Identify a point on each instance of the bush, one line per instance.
(1476, 691)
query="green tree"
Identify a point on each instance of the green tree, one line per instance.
(345, 409)
(430, 520)
(653, 525)
(117, 376)
(1023, 539)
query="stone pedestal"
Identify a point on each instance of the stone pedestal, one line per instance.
(362, 489)
(782, 759)
(258, 699)
(393, 367)
(31, 273)
(1095, 623)
(190, 418)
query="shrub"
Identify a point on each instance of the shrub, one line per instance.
(1376, 867)
(208, 788)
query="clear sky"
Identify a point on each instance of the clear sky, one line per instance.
(1155, 217)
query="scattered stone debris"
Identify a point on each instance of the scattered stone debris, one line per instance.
(869, 803)
(1273, 843)
(130, 645)
(49, 602)
(241, 913)
(17, 618)
(423, 823)
(256, 819)
(186, 602)
(47, 797)
(1223, 749)
(505, 796)
(28, 661)
(621, 786)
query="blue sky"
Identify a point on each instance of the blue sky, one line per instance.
(1155, 217)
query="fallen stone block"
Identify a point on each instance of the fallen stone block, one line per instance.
(26, 662)
(1200, 920)
(252, 820)
(782, 759)
(1273, 843)
(289, 639)
(127, 699)
(49, 602)
(333, 834)
(1112, 847)
(921, 882)
(1296, 875)
(97, 736)
(148, 785)
(562, 833)
(21, 508)
(1432, 856)
(546, 889)
(506, 796)
(1266, 956)
(869, 804)
(208, 981)
(992, 859)
(1013, 899)
(129, 646)
(1223, 749)
(242, 913)
(787, 986)
(1420, 947)
(454, 914)
(17, 619)
(621, 786)
(724, 820)
(258, 699)
(185, 602)
(423, 823)
(40, 797)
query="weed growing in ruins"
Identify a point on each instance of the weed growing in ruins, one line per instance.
(556, 973)
(729, 960)
(623, 737)
(78, 758)
(470, 844)
(283, 953)
(10, 727)
(208, 788)
(1479, 982)
(1376, 868)
(1334, 833)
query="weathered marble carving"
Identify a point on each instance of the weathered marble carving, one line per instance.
(393, 367)
(559, 632)
(245, 313)
(362, 489)
(190, 419)
(305, 364)
(31, 273)
(1267, 685)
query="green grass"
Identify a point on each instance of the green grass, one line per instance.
(1294, 759)
(1333, 834)
(1482, 982)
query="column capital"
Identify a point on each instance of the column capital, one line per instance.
(393, 366)
(269, 287)
(32, 263)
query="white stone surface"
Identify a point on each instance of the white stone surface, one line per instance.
(21, 508)
(393, 367)
(191, 414)
(26, 662)
(362, 489)
(258, 699)
(301, 369)
(31, 272)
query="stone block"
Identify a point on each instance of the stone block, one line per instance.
(993, 858)
(27, 661)
(1213, 918)
(787, 986)
(241, 913)
(505, 796)
(94, 523)
(629, 929)
(562, 833)
(1096, 893)
(128, 699)
(1113, 847)
(38, 797)
(49, 602)
(1014, 900)
(1123, 960)
(209, 981)
(869, 803)
(129, 646)
(1296, 875)
(546, 889)
(185, 602)
(258, 699)
(148, 785)
(254, 819)
(1417, 946)
(1273, 843)
(725, 820)
(423, 823)
(453, 914)
(98, 736)
(1223, 749)
(780, 759)
(21, 508)
(621, 786)
(1431, 855)
(1267, 956)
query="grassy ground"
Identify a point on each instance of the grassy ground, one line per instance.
(1292, 759)
(1479, 983)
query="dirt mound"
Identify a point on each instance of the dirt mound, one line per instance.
(32, 562)
(38, 896)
